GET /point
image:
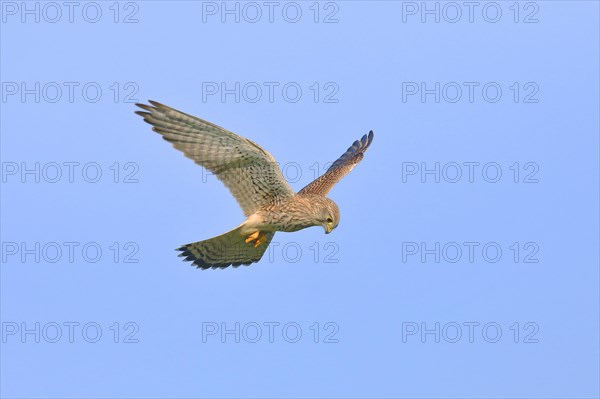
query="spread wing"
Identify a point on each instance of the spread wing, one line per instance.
(340, 168)
(250, 172)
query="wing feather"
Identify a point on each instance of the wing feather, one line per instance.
(250, 172)
(340, 168)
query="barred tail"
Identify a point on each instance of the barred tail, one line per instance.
(229, 249)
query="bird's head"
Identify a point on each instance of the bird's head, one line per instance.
(329, 215)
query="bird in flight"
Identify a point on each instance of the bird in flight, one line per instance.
(256, 182)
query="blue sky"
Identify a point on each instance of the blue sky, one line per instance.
(466, 260)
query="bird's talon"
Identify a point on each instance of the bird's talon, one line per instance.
(256, 238)
(252, 237)
(262, 237)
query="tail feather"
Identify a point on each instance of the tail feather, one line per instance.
(229, 249)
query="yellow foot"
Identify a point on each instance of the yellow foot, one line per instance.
(252, 237)
(262, 237)
(258, 237)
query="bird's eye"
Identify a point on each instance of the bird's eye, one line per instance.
(329, 220)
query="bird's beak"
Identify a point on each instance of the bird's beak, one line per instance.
(328, 229)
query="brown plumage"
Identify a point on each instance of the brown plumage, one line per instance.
(256, 182)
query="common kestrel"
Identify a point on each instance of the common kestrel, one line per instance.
(256, 182)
